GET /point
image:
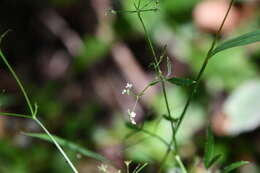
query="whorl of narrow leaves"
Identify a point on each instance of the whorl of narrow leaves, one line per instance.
(251, 37)
(70, 145)
(181, 81)
(233, 166)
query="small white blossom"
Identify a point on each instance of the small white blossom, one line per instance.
(127, 89)
(131, 115)
(124, 91)
(132, 120)
(102, 168)
(129, 86)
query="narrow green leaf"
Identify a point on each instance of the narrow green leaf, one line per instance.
(70, 145)
(233, 166)
(170, 118)
(209, 148)
(181, 81)
(15, 115)
(154, 82)
(242, 40)
(214, 159)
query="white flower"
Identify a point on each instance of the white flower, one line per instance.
(124, 91)
(132, 120)
(131, 115)
(127, 89)
(129, 86)
(102, 168)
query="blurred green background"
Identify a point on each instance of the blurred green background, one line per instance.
(75, 57)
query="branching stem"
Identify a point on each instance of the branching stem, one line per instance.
(33, 112)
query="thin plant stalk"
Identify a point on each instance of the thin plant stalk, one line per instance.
(196, 84)
(162, 81)
(203, 67)
(33, 112)
(158, 71)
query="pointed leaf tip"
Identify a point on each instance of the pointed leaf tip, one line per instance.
(234, 165)
(248, 38)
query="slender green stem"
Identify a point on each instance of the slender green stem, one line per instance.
(56, 144)
(142, 167)
(33, 111)
(157, 68)
(135, 11)
(204, 65)
(15, 115)
(147, 37)
(18, 82)
(180, 163)
(164, 159)
(159, 74)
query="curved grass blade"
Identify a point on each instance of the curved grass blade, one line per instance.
(70, 145)
(233, 166)
(251, 37)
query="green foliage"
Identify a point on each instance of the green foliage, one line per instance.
(210, 157)
(233, 166)
(166, 138)
(251, 37)
(72, 146)
(181, 81)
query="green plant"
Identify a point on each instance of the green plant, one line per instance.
(172, 147)
(32, 109)
(210, 157)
